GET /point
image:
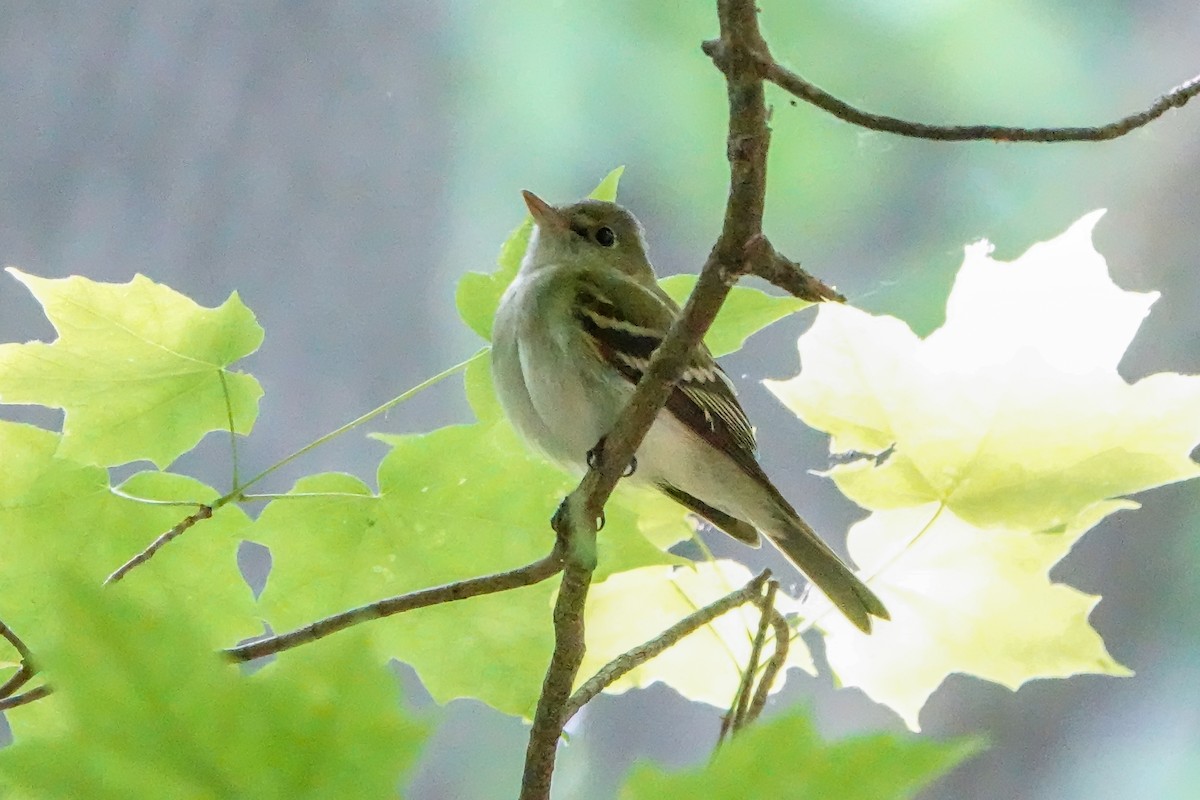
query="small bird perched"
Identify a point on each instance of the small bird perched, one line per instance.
(574, 333)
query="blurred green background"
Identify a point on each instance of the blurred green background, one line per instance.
(342, 164)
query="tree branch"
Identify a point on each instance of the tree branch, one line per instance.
(18, 679)
(527, 575)
(763, 260)
(18, 644)
(36, 693)
(550, 715)
(202, 513)
(26, 671)
(809, 93)
(746, 149)
(777, 661)
(741, 707)
(639, 655)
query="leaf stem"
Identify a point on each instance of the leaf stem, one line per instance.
(118, 492)
(233, 443)
(395, 401)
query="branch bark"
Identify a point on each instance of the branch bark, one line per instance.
(202, 513)
(746, 149)
(528, 575)
(741, 707)
(16, 701)
(27, 669)
(550, 716)
(639, 655)
(799, 87)
(775, 664)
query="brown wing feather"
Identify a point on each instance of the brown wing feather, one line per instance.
(703, 399)
(742, 531)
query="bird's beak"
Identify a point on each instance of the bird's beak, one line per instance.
(544, 214)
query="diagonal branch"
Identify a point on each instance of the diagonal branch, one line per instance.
(27, 669)
(764, 261)
(202, 513)
(810, 93)
(16, 701)
(18, 644)
(777, 661)
(527, 575)
(639, 655)
(18, 679)
(741, 707)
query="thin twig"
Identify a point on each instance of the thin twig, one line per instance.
(763, 260)
(17, 643)
(375, 412)
(631, 659)
(36, 693)
(18, 679)
(202, 513)
(260, 498)
(766, 606)
(117, 491)
(528, 575)
(778, 659)
(27, 669)
(809, 93)
(730, 720)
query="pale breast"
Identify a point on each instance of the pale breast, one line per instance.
(550, 385)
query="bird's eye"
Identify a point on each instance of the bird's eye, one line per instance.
(605, 236)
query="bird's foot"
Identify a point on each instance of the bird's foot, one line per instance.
(593, 458)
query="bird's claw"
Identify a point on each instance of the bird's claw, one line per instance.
(559, 521)
(593, 458)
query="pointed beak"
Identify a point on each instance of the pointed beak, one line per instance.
(544, 214)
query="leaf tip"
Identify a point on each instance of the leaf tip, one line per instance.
(1089, 220)
(607, 188)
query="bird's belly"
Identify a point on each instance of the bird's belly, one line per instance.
(575, 408)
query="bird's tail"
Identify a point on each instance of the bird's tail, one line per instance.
(822, 566)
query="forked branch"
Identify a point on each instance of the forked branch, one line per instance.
(746, 149)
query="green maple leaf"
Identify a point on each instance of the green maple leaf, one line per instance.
(146, 708)
(745, 312)
(784, 759)
(59, 514)
(996, 443)
(139, 369)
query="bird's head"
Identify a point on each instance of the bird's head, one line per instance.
(591, 232)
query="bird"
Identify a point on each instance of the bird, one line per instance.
(573, 334)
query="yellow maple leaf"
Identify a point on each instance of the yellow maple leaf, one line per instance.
(997, 442)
